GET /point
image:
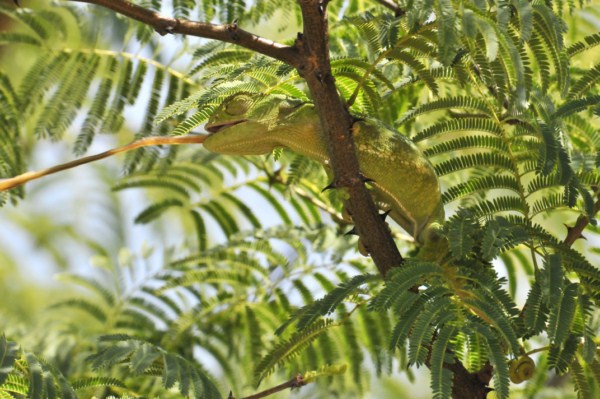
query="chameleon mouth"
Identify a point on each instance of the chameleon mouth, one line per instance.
(212, 129)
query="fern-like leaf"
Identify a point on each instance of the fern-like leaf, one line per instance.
(441, 377)
(481, 185)
(437, 311)
(588, 81)
(501, 378)
(290, 348)
(464, 125)
(140, 355)
(535, 312)
(466, 103)
(401, 280)
(587, 43)
(463, 162)
(8, 354)
(561, 315)
(326, 305)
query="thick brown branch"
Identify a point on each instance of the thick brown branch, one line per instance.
(313, 46)
(21, 179)
(467, 385)
(229, 33)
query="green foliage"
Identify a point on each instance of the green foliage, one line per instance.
(30, 375)
(326, 305)
(141, 357)
(9, 352)
(502, 98)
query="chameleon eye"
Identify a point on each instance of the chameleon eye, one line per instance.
(237, 106)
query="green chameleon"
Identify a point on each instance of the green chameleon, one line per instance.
(403, 180)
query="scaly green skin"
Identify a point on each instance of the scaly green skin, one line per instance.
(403, 179)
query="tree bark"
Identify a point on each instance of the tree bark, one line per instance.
(337, 122)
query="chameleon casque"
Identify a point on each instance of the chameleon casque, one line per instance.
(402, 178)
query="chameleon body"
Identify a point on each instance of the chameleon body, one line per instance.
(403, 180)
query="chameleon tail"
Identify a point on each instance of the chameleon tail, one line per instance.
(23, 178)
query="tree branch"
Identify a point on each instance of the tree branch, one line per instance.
(295, 382)
(229, 33)
(392, 6)
(575, 232)
(336, 121)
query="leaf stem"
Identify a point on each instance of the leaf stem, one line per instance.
(542, 349)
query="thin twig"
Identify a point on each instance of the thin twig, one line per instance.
(16, 181)
(575, 232)
(392, 6)
(295, 382)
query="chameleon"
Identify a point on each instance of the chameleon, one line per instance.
(403, 180)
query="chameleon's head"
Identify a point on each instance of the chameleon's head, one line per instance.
(239, 126)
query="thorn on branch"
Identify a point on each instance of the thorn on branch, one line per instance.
(232, 28)
(322, 4)
(574, 233)
(320, 76)
(168, 27)
(352, 232)
(384, 215)
(17, 3)
(298, 381)
(330, 186)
